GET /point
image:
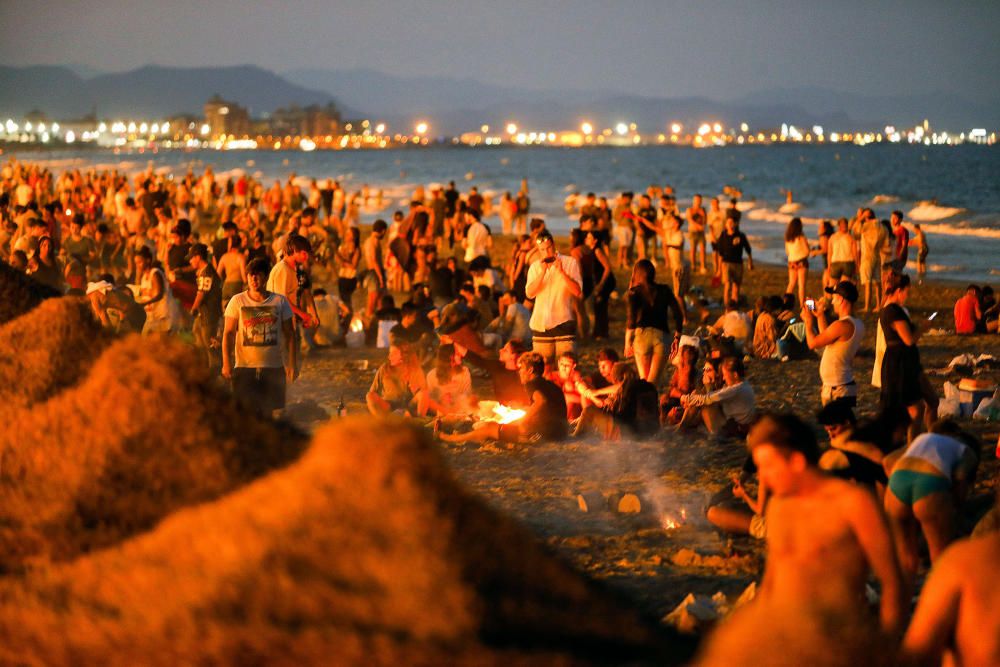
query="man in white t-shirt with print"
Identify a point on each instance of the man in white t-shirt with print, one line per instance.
(258, 343)
(553, 282)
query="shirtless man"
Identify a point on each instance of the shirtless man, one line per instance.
(959, 607)
(374, 280)
(134, 219)
(697, 218)
(823, 533)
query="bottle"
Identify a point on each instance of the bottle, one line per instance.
(341, 408)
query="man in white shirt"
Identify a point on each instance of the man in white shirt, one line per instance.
(258, 343)
(477, 239)
(840, 341)
(554, 281)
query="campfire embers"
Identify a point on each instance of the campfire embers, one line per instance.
(631, 503)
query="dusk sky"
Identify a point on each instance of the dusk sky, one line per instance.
(710, 48)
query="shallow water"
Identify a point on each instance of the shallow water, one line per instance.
(963, 226)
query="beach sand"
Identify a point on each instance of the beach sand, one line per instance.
(673, 474)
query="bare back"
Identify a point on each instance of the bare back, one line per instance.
(232, 267)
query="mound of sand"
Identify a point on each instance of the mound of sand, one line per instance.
(365, 551)
(49, 348)
(144, 433)
(20, 293)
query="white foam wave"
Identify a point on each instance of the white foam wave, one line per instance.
(790, 208)
(956, 229)
(883, 199)
(930, 211)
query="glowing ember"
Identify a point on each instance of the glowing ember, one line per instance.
(357, 325)
(669, 522)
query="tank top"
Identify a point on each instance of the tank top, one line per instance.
(836, 366)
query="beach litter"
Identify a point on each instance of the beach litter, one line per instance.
(697, 613)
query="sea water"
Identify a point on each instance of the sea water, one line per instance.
(952, 191)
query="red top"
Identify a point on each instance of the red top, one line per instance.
(967, 314)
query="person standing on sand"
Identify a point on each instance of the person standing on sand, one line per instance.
(900, 241)
(258, 344)
(824, 534)
(646, 228)
(624, 223)
(554, 282)
(797, 251)
(646, 322)
(716, 225)
(732, 244)
(697, 218)
(920, 241)
(840, 341)
(873, 239)
(843, 251)
(374, 281)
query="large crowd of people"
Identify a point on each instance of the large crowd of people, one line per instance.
(232, 263)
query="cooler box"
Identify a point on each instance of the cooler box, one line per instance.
(972, 392)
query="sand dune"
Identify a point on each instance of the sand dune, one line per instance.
(366, 551)
(48, 349)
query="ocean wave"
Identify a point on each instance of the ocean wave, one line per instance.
(956, 229)
(883, 199)
(931, 211)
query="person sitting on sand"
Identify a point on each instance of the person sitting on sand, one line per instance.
(765, 330)
(449, 386)
(968, 314)
(567, 377)
(959, 608)
(823, 534)
(545, 418)
(927, 483)
(397, 383)
(601, 378)
(629, 403)
(507, 387)
(683, 382)
(726, 411)
(735, 324)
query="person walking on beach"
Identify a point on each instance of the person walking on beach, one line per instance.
(840, 341)
(797, 250)
(673, 249)
(697, 219)
(646, 325)
(554, 282)
(207, 306)
(732, 244)
(647, 228)
(258, 344)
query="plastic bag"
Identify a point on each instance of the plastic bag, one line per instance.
(989, 408)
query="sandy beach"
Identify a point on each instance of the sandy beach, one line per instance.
(672, 474)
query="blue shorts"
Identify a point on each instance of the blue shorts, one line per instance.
(910, 486)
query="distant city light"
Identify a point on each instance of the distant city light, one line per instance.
(621, 128)
(511, 128)
(307, 145)
(380, 128)
(586, 128)
(421, 127)
(675, 128)
(744, 127)
(717, 127)
(484, 129)
(205, 128)
(71, 137)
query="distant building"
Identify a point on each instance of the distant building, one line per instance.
(310, 121)
(224, 117)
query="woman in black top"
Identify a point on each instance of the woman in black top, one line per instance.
(646, 325)
(605, 282)
(901, 369)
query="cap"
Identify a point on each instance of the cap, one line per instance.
(844, 288)
(199, 249)
(101, 286)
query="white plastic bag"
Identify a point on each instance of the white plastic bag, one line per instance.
(989, 408)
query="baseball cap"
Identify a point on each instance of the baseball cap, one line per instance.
(199, 249)
(844, 288)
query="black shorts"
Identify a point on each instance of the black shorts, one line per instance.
(260, 388)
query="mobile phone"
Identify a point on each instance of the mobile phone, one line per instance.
(932, 316)
(811, 304)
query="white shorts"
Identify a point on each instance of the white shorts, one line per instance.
(624, 236)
